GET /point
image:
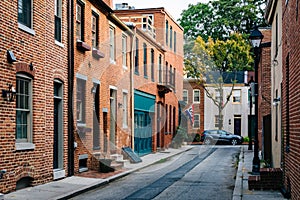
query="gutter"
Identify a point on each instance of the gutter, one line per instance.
(70, 88)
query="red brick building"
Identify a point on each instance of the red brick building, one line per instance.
(290, 96)
(284, 17)
(165, 83)
(33, 63)
(264, 97)
(193, 96)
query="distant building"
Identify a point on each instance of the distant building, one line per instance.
(193, 111)
(235, 114)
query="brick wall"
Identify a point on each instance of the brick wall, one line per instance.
(190, 85)
(291, 96)
(49, 62)
(264, 79)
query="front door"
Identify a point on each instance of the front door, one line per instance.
(237, 125)
(142, 133)
(112, 136)
(96, 118)
(58, 131)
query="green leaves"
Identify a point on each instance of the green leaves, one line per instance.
(218, 19)
(232, 54)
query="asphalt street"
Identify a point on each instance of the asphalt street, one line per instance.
(205, 172)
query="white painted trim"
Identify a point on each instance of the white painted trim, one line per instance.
(26, 29)
(59, 44)
(81, 76)
(113, 87)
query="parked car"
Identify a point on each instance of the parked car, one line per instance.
(209, 137)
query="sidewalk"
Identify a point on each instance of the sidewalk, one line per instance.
(72, 186)
(241, 184)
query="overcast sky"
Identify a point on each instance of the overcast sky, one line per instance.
(174, 7)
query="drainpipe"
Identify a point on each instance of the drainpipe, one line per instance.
(70, 88)
(132, 84)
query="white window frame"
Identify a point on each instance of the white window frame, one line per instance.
(235, 100)
(124, 51)
(81, 108)
(94, 29)
(24, 143)
(196, 90)
(58, 14)
(196, 121)
(112, 53)
(21, 25)
(185, 96)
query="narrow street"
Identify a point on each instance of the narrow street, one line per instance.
(202, 173)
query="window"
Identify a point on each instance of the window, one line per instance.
(25, 12)
(171, 36)
(170, 75)
(125, 122)
(160, 68)
(112, 44)
(95, 30)
(136, 56)
(175, 41)
(79, 21)
(166, 72)
(185, 96)
(236, 96)
(218, 96)
(218, 120)
(152, 64)
(167, 32)
(80, 100)
(145, 60)
(174, 77)
(23, 109)
(124, 50)
(58, 15)
(196, 96)
(196, 121)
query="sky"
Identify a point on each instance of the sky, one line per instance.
(174, 7)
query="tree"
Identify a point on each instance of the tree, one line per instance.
(210, 62)
(219, 18)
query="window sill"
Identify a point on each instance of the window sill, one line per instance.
(137, 73)
(21, 146)
(82, 46)
(26, 29)
(112, 62)
(125, 67)
(97, 54)
(59, 44)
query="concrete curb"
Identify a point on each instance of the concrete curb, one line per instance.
(110, 179)
(238, 189)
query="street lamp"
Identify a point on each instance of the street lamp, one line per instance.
(255, 38)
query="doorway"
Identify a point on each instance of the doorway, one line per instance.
(237, 124)
(113, 114)
(58, 142)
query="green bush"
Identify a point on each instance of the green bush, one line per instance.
(246, 139)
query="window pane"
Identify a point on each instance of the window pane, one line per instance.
(24, 12)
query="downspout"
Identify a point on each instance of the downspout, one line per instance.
(70, 88)
(132, 84)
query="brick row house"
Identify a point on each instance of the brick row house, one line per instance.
(78, 89)
(34, 64)
(285, 51)
(193, 116)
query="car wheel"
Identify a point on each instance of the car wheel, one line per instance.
(207, 141)
(234, 142)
